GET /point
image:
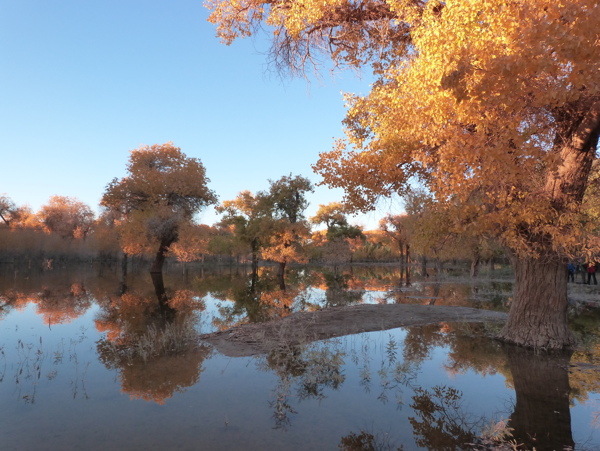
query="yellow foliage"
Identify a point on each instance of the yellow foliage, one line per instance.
(483, 112)
(285, 243)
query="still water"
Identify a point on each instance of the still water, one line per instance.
(90, 362)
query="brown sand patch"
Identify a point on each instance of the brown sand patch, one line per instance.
(306, 327)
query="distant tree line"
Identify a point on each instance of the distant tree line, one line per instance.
(151, 214)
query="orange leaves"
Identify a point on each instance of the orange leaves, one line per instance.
(67, 216)
(284, 243)
(234, 18)
(299, 15)
(161, 193)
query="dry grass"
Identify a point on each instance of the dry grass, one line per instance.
(173, 338)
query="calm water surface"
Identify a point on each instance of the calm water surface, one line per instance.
(86, 362)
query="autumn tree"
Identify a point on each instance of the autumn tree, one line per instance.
(24, 216)
(106, 236)
(224, 242)
(193, 242)
(339, 233)
(334, 217)
(494, 101)
(425, 229)
(290, 228)
(67, 216)
(436, 231)
(250, 215)
(162, 191)
(13, 215)
(395, 227)
(271, 223)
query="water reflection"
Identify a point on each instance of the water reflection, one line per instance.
(541, 418)
(151, 340)
(57, 304)
(440, 421)
(311, 370)
(80, 338)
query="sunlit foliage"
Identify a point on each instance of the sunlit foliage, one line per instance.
(162, 191)
(334, 217)
(193, 242)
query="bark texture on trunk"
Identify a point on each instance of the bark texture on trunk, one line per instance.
(538, 313)
(577, 152)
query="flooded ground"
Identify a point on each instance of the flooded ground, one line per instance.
(90, 362)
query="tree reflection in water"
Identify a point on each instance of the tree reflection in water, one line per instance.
(367, 441)
(442, 423)
(311, 368)
(152, 341)
(542, 415)
(338, 293)
(540, 418)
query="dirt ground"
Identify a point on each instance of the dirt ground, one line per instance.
(305, 327)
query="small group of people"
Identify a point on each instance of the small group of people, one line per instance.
(589, 268)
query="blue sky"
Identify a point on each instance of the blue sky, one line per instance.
(84, 82)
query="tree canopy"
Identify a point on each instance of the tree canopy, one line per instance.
(333, 215)
(162, 191)
(271, 222)
(67, 216)
(250, 215)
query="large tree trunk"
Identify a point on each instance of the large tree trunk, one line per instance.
(538, 313)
